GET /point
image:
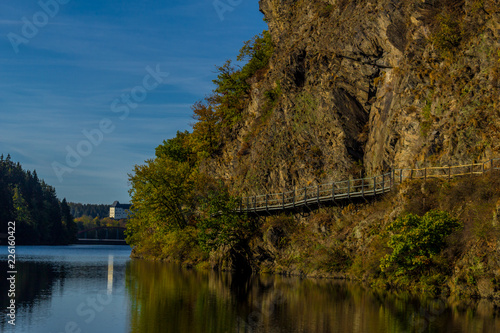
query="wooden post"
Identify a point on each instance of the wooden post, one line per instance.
(400, 176)
(363, 187)
(317, 195)
(383, 182)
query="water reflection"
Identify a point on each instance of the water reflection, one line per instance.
(35, 284)
(78, 287)
(101, 290)
(165, 298)
(110, 274)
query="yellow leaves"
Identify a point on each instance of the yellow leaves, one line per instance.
(474, 122)
(349, 209)
(161, 191)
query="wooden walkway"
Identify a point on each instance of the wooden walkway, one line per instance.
(313, 196)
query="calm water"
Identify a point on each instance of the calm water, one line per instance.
(99, 289)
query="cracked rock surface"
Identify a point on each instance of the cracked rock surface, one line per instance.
(367, 86)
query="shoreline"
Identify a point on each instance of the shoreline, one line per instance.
(349, 242)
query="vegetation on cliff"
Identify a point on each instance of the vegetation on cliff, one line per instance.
(334, 91)
(173, 197)
(415, 242)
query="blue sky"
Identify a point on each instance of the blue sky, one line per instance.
(67, 69)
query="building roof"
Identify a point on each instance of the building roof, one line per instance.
(116, 204)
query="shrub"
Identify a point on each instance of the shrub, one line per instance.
(326, 11)
(416, 240)
(273, 95)
(448, 34)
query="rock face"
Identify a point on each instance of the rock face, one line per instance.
(366, 86)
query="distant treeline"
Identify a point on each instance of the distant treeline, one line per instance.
(79, 210)
(86, 222)
(40, 217)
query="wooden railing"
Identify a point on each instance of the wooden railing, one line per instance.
(309, 196)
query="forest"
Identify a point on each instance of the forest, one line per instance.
(41, 218)
(90, 210)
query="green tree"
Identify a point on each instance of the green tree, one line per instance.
(26, 232)
(21, 207)
(162, 188)
(416, 240)
(167, 191)
(68, 223)
(163, 193)
(231, 94)
(221, 224)
(51, 229)
(32, 203)
(257, 53)
(232, 90)
(205, 137)
(176, 149)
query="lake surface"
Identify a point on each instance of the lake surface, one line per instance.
(88, 288)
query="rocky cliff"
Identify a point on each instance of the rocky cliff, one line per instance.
(345, 89)
(358, 87)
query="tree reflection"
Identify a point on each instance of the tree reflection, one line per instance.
(35, 283)
(165, 298)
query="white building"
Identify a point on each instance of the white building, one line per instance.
(118, 211)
